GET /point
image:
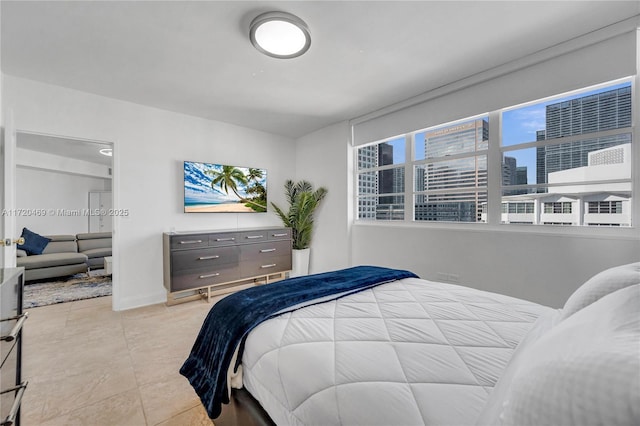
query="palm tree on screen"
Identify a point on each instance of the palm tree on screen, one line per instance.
(254, 175)
(229, 177)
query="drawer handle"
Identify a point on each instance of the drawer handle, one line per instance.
(190, 241)
(209, 275)
(268, 266)
(225, 239)
(11, 418)
(16, 328)
(252, 237)
(267, 250)
(208, 257)
(280, 235)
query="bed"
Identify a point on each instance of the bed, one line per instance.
(403, 350)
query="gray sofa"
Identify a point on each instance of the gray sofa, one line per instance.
(59, 258)
(96, 245)
(67, 255)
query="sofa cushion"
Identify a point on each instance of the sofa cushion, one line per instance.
(97, 252)
(52, 259)
(61, 237)
(93, 235)
(61, 244)
(33, 243)
(85, 244)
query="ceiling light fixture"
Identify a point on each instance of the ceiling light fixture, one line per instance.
(280, 35)
(107, 151)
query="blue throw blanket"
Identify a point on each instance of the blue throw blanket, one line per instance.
(231, 319)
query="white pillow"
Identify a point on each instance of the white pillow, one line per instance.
(600, 285)
(585, 371)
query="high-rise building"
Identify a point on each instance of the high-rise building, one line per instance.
(376, 184)
(367, 182)
(593, 113)
(458, 173)
(512, 174)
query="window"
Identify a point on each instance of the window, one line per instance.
(576, 146)
(573, 147)
(557, 208)
(605, 207)
(450, 172)
(518, 208)
(381, 180)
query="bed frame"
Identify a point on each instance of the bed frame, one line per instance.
(243, 410)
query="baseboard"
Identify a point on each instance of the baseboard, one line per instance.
(140, 301)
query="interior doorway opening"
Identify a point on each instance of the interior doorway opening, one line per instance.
(64, 191)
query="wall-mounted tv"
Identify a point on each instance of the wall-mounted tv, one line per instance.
(218, 188)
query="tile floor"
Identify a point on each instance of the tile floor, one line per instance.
(88, 365)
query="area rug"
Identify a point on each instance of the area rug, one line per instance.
(75, 287)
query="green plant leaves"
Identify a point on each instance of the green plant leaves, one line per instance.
(303, 201)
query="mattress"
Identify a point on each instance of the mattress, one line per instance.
(410, 352)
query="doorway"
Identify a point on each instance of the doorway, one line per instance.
(58, 181)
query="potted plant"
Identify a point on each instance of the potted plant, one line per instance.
(303, 201)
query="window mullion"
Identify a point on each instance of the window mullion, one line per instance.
(494, 169)
(409, 204)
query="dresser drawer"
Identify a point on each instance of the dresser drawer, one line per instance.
(279, 234)
(254, 268)
(223, 239)
(264, 250)
(185, 280)
(204, 258)
(248, 237)
(189, 241)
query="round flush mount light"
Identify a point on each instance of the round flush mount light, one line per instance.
(107, 151)
(280, 35)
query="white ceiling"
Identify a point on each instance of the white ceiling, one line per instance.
(195, 57)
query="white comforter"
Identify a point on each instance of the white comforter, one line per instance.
(409, 352)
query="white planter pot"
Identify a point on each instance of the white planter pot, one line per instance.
(300, 263)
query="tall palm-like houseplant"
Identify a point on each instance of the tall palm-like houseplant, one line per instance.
(303, 201)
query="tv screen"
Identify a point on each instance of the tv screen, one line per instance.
(218, 188)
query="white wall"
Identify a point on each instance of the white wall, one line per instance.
(149, 147)
(42, 194)
(543, 268)
(322, 158)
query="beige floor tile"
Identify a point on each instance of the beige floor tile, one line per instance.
(32, 407)
(124, 409)
(106, 301)
(196, 416)
(87, 364)
(69, 389)
(167, 398)
(160, 369)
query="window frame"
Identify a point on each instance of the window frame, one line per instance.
(495, 188)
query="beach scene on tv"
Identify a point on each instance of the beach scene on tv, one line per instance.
(217, 188)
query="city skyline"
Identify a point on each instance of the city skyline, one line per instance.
(521, 125)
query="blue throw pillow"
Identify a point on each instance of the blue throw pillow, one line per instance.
(33, 243)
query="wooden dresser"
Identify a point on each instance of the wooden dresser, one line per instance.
(209, 263)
